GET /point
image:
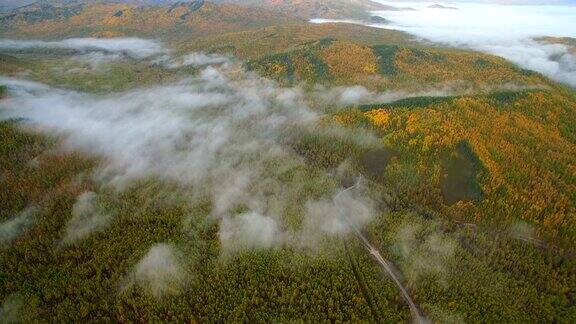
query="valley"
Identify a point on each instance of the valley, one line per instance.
(232, 162)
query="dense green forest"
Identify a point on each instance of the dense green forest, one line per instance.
(451, 268)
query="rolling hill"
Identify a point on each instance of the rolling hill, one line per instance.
(390, 66)
(259, 43)
(317, 8)
(436, 125)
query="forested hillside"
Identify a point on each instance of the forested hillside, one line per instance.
(317, 8)
(265, 42)
(492, 159)
(534, 118)
(391, 67)
(181, 20)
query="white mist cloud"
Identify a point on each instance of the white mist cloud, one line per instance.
(16, 226)
(504, 30)
(86, 218)
(249, 230)
(202, 132)
(195, 131)
(159, 272)
(346, 211)
(200, 59)
(17, 309)
(193, 59)
(347, 95)
(358, 95)
(505, 2)
(222, 132)
(132, 47)
(96, 59)
(423, 250)
(522, 231)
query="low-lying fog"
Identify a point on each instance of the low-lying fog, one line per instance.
(509, 31)
(223, 136)
(223, 132)
(132, 47)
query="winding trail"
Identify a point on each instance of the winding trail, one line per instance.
(385, 264)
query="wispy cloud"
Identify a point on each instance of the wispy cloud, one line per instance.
(131, 47)
(201, 59)
(250, 230)
(160, 272)
(224, 132)
(16, 226)
(86, 219)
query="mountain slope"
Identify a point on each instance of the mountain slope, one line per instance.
(465, 167)
(183, 18)
(316, 8)
(389, 66)
(257, 43)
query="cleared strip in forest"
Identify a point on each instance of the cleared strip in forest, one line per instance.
(363, 287)
(385, 264)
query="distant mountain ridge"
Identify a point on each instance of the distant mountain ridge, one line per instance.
(56, 19)
(306, 9)
(72, 18)
(316, 8)
(18, 4)
(40, 11)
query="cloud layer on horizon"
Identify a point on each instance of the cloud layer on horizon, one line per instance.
(503, 30)
(509, 31)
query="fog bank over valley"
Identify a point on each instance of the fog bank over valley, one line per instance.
(512, 31)
(225, 133)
